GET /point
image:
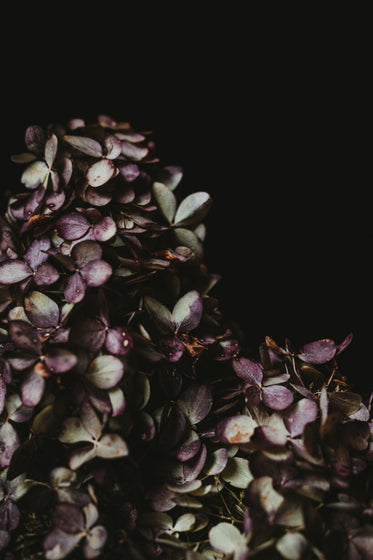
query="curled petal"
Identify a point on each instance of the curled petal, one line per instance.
(236, 429)
(100, 172)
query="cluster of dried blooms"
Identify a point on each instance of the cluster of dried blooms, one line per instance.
(134, 424)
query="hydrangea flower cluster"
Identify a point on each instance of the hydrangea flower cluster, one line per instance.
(134, 423)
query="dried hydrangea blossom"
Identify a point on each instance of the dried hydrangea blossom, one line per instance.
(134, 422)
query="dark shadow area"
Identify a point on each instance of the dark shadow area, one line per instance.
(278, 140)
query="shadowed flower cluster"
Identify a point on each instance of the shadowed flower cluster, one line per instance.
(134, 422)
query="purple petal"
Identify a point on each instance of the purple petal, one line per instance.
(9, 442)
(54, 201)
(58, 544)
(193, 467)
(32, 389)
(118, 341)
(161, 498)
(98, 196)
(113, 146)
(86, 251)
(68, 518)
(89, 333)
(318, 352)
(96, 273)
(171, 347)
(2, 393)
(75, 289)
(41, 310)
(35, 138)
(299, 414)
(145, 426)
(14, 271)
(277, 397)
(105, 229)
(267, 437)
(37, 252)
(46, 275)
(195, 402)
(236, 429)
(25, 336)
(189, 447)
(253, 395)
(172, 427)
(100, 172)
(188, 311)
(130, 172)
(346, 342)
(248, 370)
(72, 226)
(33, 202)
(59, 360)
(10, 515)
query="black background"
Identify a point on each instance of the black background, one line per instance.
(270, 115)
